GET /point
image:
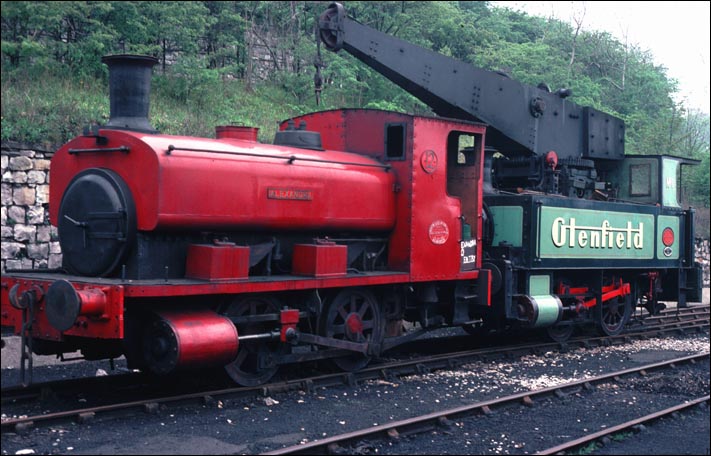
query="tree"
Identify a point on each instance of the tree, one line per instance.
(270, 46)
(224, 41)
(73, 34)
(177, 28)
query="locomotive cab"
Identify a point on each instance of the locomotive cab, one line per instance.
(649, 179)
(437, 164)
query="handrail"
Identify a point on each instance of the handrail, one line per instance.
(291, 158)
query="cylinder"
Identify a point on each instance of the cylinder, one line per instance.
(189, 339)
(540, 311)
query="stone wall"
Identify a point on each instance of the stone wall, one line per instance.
(28, 240)
(702, 256)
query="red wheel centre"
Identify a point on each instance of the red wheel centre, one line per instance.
(354, 325)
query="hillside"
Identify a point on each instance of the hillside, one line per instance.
(253, 63)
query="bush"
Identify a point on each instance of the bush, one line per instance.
(190, 103)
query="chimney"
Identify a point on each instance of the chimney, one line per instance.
(129, 91)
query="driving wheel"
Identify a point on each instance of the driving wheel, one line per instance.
(614, 315)
(353, 315)
(560, 333)
(254, 364)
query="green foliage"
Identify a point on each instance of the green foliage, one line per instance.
(253, 62)
(176, 27)
(225, 46)
(50, 112)
(587, 449)
(385, 106)
(69, 36)
(691, 136)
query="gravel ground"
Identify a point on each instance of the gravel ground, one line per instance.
(262, 424)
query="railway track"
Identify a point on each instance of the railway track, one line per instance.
(444, 418)
(635, 424)
(670, 323)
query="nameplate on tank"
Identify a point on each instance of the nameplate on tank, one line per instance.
(289, 194)
(581, 233)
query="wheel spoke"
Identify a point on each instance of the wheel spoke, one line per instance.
(337, 330)
(363, 310)
(241, 355)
